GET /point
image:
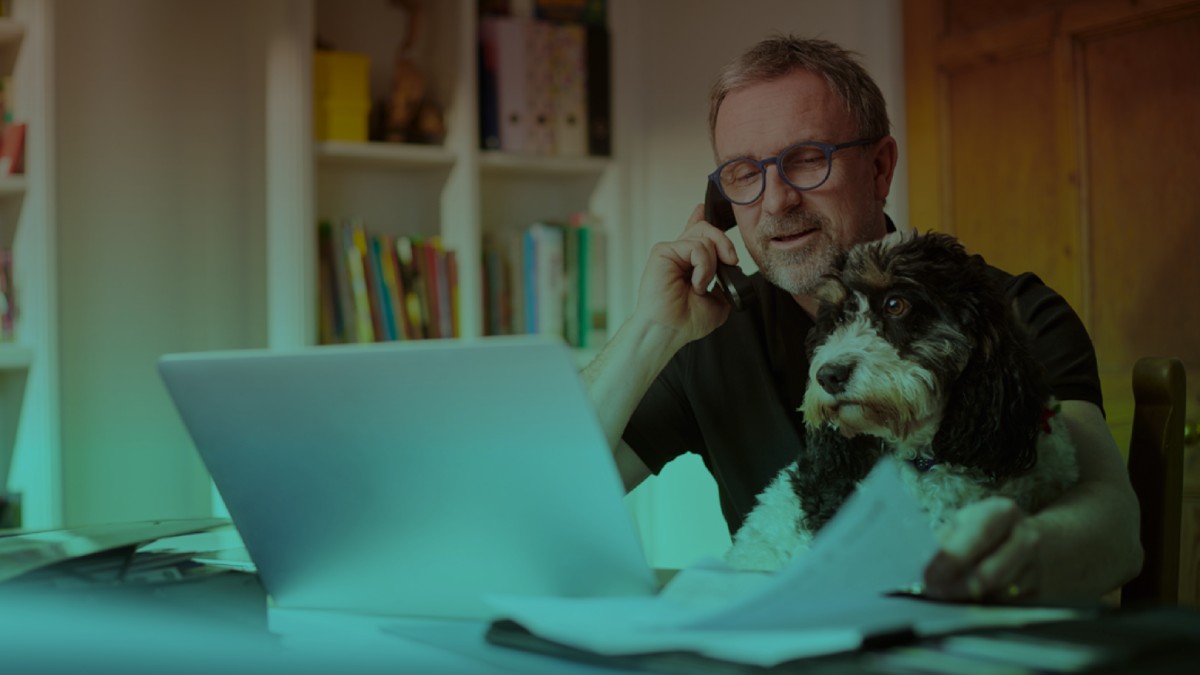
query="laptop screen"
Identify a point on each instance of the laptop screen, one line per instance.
(412, 478)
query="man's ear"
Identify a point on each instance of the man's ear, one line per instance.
(884, 166)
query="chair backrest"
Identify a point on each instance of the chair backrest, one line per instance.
(1156, 471)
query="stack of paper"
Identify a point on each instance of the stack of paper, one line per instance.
(831, 599)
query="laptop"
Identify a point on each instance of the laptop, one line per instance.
(412, 478)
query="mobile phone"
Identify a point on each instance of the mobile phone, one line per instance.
(731, 280)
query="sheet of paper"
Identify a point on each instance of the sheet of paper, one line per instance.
(824, 602)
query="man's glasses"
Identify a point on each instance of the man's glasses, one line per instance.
(804, 166)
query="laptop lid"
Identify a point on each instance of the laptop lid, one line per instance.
(412, 478)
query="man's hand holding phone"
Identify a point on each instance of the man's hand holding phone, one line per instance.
(674, 292)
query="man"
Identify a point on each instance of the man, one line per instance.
(686, 374)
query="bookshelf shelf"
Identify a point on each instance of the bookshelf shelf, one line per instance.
(497, 163)
(384, 155)
(14, 358)
(12, 186)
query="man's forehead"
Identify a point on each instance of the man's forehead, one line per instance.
(762, 118)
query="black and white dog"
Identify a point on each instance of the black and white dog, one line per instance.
(915, 353)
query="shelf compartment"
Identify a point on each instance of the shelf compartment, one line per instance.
(393, 155)
(12, 186)
(12, 32)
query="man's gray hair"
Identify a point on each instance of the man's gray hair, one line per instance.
(779, 55)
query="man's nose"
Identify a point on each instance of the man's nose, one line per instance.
(778, 196)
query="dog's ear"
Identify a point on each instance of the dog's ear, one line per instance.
(830, 290)
(995, 414)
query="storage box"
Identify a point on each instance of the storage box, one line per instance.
(341, 120)
(341, 75)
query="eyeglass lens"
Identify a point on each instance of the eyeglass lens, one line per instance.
(803, 166)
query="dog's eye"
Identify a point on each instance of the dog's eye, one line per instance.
(896, 306)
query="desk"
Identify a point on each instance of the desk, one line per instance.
(221, 622)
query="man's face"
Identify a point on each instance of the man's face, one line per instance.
(792, 235)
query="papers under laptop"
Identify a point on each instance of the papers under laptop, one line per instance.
(411, 479)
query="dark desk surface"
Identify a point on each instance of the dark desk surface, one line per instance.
(1148, 640)
(195, 612)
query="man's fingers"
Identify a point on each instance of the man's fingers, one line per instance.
(697, 216)
(1007, 574)
(980, 527)
(964, 567)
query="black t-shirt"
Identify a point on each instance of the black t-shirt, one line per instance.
(733, 396)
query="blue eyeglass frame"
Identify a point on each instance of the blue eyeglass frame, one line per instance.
(762, 164)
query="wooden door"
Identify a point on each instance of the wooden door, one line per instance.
(1061, 137)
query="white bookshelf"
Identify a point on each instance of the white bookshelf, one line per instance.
(453, 190)
(29, 427)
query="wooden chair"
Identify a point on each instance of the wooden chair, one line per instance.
(1156, 471)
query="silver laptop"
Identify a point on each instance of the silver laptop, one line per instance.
(412, 478)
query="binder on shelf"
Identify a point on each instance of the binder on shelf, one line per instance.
(511, 35)
(489, 104)
(568, 87)
(538, 87)
(599, 106)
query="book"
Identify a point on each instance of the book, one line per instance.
(394, 278)
(8, 297)
(343, 291)
(328, 324)
(593, 285)
(352, 234)
(12, 150)
(362, 241)
(547, 279)
(452, 280)
(515, 276)
(408, 254)
(572, 262)
(387, 291)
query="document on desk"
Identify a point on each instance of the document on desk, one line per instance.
(830, 599)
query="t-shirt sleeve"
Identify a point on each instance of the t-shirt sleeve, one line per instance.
(1060, 342)
(663, 425)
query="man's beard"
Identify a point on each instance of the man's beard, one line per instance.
(796, 270)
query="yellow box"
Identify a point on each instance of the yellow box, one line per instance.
(341, 120)
(341, 75)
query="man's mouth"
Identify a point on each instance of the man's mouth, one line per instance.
(792, 238)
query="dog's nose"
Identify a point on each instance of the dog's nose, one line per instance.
(833, 376)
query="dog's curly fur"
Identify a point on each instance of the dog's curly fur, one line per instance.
(916, 353)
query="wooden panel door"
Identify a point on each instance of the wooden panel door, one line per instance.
(1061, 138)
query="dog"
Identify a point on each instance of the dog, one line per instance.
(914, 353)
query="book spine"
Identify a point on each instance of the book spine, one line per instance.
(355, 245)
(530, 301)
(413, 289)
(328, 328)
(387, 318)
